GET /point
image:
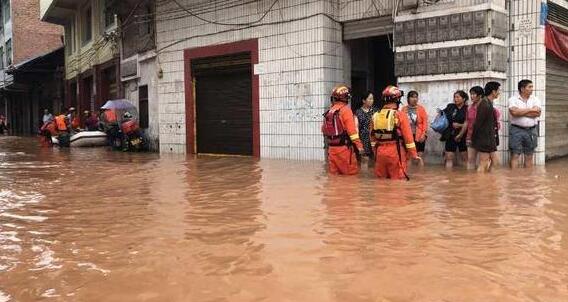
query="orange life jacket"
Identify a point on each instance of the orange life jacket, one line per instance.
(75, 123)
(110, 116)
(50, 127)
(129, 126)
(60, 121)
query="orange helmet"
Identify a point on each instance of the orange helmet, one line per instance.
(341, 93)
(392, 94)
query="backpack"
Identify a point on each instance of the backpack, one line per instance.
(332, 128)
(385, 124)
(440, 123)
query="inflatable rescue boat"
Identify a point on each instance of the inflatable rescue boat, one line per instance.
(85, 139)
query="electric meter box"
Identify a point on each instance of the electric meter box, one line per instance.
(432, 63)
(467, 59)
(399, 34)
(399, 64)
(443, 61)
(467, 25)
(443, 28)
(455, 60)
(409, 63)
(432, 30)
(409, 32)
(420, 65)
(455, 27)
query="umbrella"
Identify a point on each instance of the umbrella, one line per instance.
(119, 105)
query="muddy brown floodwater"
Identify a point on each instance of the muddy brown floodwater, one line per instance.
(95, 225)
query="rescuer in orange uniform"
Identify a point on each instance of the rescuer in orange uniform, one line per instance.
(341, 134)
(392, 137)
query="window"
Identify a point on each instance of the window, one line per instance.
(6, 10)
(70, 38)
(143, 106)
(148, 22)
(108, 14)
(87, 25)
(1, 57)
(1, 18)
(9, 52)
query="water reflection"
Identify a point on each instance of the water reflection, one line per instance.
(93, 225)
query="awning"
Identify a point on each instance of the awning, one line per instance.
(44, 63)
(556, 40)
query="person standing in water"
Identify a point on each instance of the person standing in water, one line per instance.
(3, 125)
(47, 116)
(454, 136)
(525, 110)
(392, 136)
(363, 117)
(418, 121)
(476, 94)
(483, 136)
(341, 134)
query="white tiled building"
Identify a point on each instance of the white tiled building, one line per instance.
(254, 77)
(304, 48)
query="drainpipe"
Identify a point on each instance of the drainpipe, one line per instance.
(506, 154)
(511, 49)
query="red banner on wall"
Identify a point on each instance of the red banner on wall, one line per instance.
(556, 40)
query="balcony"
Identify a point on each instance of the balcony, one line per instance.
(57, 11)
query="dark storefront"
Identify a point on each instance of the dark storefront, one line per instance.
(36, 85)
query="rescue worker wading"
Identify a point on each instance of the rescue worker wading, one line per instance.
(392, 138)
(341, 134)
(63, 135)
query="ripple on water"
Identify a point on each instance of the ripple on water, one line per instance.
(23, 217)
(4, 297)
(45, 260)
(110, 226)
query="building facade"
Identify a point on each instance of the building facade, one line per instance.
(253, 77)
(110, 54)
(92, 58)
(138, 62)
(24, 38)
(258, 75)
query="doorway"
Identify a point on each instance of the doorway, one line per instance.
(87, 95)
(223, 103)
(222, 99)
(372, 66)
(109, 86)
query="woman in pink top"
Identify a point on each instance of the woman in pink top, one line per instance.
(476, 94)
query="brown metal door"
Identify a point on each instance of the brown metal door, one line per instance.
(224, 105)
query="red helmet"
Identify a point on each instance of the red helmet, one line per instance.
(341, 93)
(392, 93)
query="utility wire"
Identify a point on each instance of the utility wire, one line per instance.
(205, 8)
(179, 14)
(247, 27)
(222, 23)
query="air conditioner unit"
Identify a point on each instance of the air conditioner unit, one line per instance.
(129, 69)
(408, 4)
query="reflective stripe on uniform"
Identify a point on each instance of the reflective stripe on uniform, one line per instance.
(410, 146)
(354, 137)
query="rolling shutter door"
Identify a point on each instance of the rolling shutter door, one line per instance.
(556, 107)
(368, 28)
(224, 104)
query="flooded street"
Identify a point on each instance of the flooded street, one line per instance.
(95, 225)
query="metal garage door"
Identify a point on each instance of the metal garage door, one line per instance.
(556, 107)
(366, 28)
(223, 104)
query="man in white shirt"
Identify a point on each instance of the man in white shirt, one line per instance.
(525, 109)
(47, 117)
